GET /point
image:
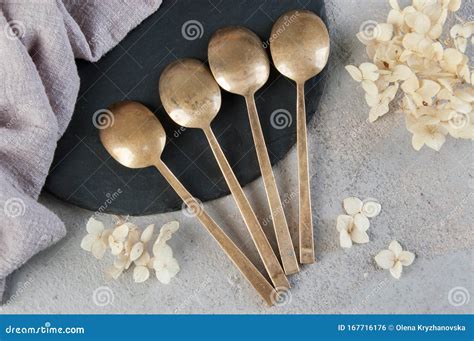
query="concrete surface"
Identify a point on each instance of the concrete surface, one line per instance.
(426, 198)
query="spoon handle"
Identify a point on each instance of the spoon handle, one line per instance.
(256, 279)
(305, 216)
(272, 265)
(282, 232)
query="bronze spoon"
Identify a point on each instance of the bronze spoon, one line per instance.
(192, 98)
(240, 65)
(136, 140)
(299, 44)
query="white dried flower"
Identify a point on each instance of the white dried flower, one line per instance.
(353, 226)
(165, 265)
(394, 259)
(96, 239)
(407, 53)
(461, 34)
(140, 255)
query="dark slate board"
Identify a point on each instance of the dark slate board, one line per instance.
(84, 174)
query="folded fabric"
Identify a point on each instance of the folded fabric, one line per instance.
(39, 41)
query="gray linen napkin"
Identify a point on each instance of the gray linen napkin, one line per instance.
(39, 40)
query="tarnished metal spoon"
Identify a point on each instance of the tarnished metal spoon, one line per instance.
(240, 65)
(192, 98)
(299, 44)
(136, 139)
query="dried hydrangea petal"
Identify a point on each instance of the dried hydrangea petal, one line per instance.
(370, 87)
(345, 239)
(359, 237)
(401, 72)
(394, 4)
(344, 222)
(94, 226)
(162, 251)
(410, 85)
(352, 205)
(355, 73)
(454, 5)
(385, 259)
(406, 258)
(395, 247)
(98, 249)
(395, 18)
(361, 222)
(369, 71)
(137, 251)
(140, 274)
(384, 31)
(115, 246)
(120, 233)
(167, 231)
(378, 110)
(88, 241)
(147, 233)
(165, 270)
(372, 100)
(396, 270)
(144, 259)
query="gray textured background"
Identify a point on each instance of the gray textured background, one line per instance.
(426, 198)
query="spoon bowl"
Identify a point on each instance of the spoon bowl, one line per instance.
(136, 138)
(179, 95)
(299, 45)
(238, 61)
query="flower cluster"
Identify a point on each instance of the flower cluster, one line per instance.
(353, 226)
(130, 246)
(435, 78)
